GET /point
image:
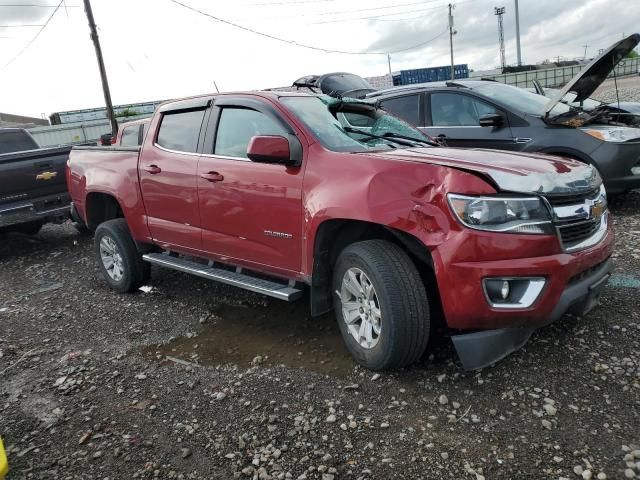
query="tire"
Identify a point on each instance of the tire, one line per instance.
(399, 296)
(127, 271)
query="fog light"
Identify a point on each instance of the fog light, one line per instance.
(517, 292)
(635, 170)
(504, 291)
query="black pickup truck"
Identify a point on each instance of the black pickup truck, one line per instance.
(33, 188)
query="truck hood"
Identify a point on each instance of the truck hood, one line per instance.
(510, 172)
(585, 82)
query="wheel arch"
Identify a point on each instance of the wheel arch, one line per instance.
(332, 236)
(100, 207)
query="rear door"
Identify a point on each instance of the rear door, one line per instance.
(455, 118)
(251, 212)
(168, 167)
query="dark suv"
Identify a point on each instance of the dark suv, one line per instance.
(488, 114)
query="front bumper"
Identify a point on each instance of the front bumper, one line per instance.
(462, 265)
(481, 349)
(52, 208)
(615, 161)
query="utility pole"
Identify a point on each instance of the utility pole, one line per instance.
(452, 32)
(389, 62)
(518, 35)
(103, 72)
(499, 11)
(585, 51)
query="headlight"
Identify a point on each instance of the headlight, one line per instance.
(618, 134)
(502, 214)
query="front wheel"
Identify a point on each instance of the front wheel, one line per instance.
(381, 305)
(118, 258)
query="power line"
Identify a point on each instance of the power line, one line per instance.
(34, 37)
(33, 5)
(374, 17)
(293, 42)
(293, 2)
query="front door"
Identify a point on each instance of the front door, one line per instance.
(455, 118)
(251, 212)
(168, 169)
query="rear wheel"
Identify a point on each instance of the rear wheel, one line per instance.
(118, 258)
(381, 305)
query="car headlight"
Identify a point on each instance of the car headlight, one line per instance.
(502, 214)
(618, 134)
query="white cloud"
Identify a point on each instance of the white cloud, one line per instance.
(155, 49)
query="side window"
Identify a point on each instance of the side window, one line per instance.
(130, 136)
(237, 126)
(180, 131)
(453, 109)
(407, 108)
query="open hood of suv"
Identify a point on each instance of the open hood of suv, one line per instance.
(338, 84)
(592, 76)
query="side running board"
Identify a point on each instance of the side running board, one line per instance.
(271, 288)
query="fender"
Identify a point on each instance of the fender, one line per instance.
(404, 196)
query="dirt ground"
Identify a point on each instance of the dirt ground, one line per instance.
(197, 380)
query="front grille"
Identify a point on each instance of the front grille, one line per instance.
(575, 233)
(564, 200)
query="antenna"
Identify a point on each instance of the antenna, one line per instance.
(499, 12)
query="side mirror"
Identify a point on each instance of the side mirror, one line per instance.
(491, 120)
(269, 149)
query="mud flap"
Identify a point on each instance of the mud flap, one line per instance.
(481, 349)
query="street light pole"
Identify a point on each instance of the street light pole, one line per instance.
(103, 72)
(518, 35)
(451, 33)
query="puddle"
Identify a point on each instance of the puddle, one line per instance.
(280, 333)
(624, 281)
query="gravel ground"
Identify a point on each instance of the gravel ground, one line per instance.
(628, 89)
(196, 380)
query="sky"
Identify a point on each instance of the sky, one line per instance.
(159, 49)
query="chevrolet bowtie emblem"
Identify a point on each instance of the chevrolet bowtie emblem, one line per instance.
(597, 209)
(46, 175)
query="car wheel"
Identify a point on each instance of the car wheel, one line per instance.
(118, 258)
(381, 305)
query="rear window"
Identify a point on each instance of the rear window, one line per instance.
(130, 136)
(180, 131)
(16, 141)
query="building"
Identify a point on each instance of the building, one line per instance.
(123, 113)
(20, 121)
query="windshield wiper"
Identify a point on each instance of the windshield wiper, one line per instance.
(406, 137)
(380, 137)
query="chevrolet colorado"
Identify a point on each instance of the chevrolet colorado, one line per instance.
(32, 186)
(282, 192)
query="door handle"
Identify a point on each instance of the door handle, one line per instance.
(442, 136)
(152, 169)
(212, 176)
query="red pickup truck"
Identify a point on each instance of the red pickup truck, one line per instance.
(282, 193)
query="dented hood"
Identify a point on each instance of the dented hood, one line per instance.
(596, 72)
(510, 172)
